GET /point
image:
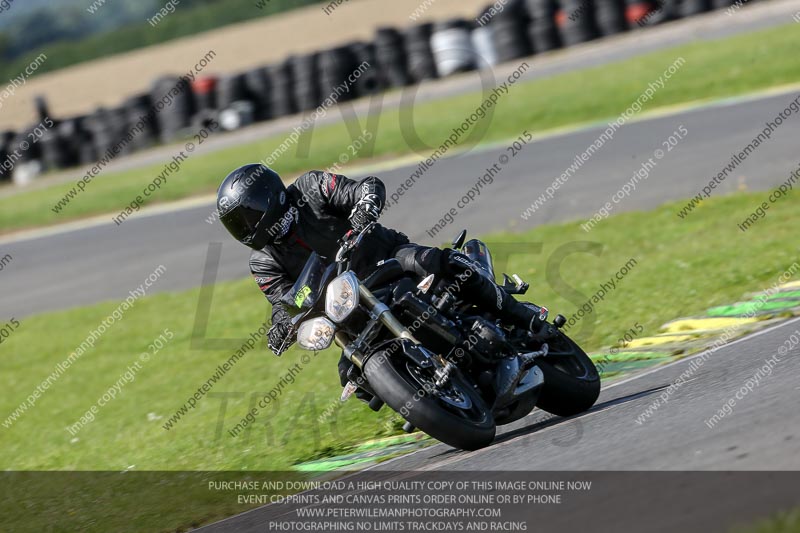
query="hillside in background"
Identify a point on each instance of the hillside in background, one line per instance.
(68, 33)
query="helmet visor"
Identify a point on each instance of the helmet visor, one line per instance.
(241, 222)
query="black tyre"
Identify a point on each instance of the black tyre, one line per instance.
(510, 38)
(140, 117)
(510, 32)
(231, 89)
(55, 151)
(174, 102)
(258, 85)
(576, 21)
(5, 141)
(610, 16)
(689, 8)
(305, 72)
(391, 57)
(421, 64)
(571, 381)
(335, 67)
(281, 90)
(369, 82)
(457, 416)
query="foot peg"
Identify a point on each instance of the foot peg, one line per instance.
(376, 404)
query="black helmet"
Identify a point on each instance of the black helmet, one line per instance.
(252, 205)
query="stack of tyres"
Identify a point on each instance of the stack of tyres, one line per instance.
(95, 125)
(281, 97)
(421, 64)
(543, 31)
(239, 114)
(205, 92)
(79, 140)
(104, 126)
(452, 47)
(391, 57)
(258, 87)
(510, 32)
(482, 41)
(369, 81)
(55, 151)
(688, 8)
(25, 162)
(336, 68)
(641, 13)
(575, 19)
(610, 17)
(120, 130)
(23, 147)
(6, 164)
(234, 102)
(141, 116)
(175, 106)
(230, 89)
(304, 78)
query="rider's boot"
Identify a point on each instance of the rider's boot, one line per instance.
(486, 294)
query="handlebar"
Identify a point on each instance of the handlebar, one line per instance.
(351, 240)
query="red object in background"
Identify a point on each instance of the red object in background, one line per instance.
(204, 85)
(636, 12)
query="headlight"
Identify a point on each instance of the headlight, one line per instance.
(316, 334)
(341, 297)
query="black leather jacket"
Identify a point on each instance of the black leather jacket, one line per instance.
(323, 202)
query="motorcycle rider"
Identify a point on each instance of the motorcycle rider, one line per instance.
(283, 225)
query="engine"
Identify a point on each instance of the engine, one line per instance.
(486, 341)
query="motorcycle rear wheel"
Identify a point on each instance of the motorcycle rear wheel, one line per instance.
(571, 381)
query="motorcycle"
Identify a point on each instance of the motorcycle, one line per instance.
(449, 369)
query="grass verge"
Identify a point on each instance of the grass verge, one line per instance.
(786, 522)
(721, 68)
(682, 267)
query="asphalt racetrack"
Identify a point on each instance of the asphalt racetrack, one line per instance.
(760, 434)
(104, 262)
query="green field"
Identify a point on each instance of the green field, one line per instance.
(787, 522)
(714, 69)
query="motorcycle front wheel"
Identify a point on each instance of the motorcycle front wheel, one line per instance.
(455, 414)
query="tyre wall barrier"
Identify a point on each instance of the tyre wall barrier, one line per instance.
(501, 32)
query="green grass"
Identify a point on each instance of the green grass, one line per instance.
(787, 522)
(714, 69)
(684, 266)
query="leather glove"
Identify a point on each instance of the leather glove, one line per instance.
(366, 210)
(279, 337)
